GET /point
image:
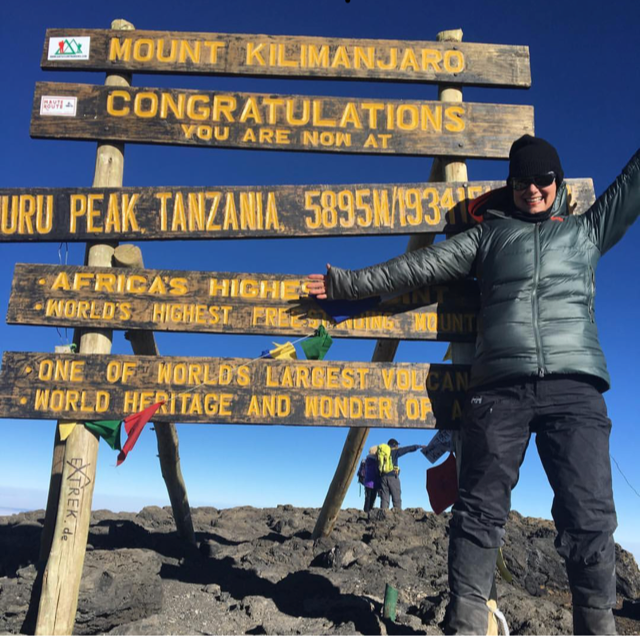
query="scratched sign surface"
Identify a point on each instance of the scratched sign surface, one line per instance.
(287, 56)
(223, 302)
(232, 390)
(278, 122)
(171, 213)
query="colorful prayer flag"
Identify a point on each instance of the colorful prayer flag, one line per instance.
(502, 567)
(133, 425)
(65, 430)
(442, 485)
(284, 351)
(441, 443)
(316, 347)
(109, 430)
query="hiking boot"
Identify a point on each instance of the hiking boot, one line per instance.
(466, 616)
(590, 620)
(471, 574)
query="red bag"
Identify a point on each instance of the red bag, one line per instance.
(442, 485)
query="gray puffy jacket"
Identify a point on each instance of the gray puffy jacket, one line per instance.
(537, 282)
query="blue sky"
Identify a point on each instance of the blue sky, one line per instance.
(584, 57)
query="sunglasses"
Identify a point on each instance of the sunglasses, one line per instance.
(539, 180)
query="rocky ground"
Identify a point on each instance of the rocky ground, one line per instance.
(257, 571)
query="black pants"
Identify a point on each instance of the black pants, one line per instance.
(572, 429)
(370, 495)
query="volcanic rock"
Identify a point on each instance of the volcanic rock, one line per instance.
(258, 571)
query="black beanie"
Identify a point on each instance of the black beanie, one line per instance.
(530, 156)
(392, 442)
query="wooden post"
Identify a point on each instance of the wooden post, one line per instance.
(143, 343)
(63, 571)
(385, 351)
(461, 353)
(441, 170)
(52, 500)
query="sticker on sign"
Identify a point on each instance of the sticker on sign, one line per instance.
(59, 106)
(69, 48)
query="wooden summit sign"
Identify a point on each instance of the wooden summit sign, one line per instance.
(88, 214)
(286, 56)
(282, 122)
(232, 390)
(221, 302)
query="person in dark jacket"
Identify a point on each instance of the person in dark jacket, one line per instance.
(371, 479)
(538, 368)
(390, 489)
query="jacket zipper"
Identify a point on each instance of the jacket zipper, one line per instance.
(534, 298)
(592, 296)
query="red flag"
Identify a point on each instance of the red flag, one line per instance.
(442, 484)
(133, 425)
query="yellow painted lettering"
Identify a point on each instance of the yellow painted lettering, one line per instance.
(317, 115)
(223, 105)
(254, 54)
(251, 111)
(171, 56)
(143, 50)
(118, 95)
(189, 51)
(318, 56)
(409, 61)
(350, 116)
(455, 118)
(198, 113)
(168, 103)
(145, 104)
(119, 49)
(214, 48)
(92, 214)
(431, 60)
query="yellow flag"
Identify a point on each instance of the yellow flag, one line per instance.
(502, 567)
(284, 351)
(492, 627)
(65, 430)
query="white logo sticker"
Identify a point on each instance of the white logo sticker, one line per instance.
(69, 48)
(58, 106)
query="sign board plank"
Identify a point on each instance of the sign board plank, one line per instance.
(287, 56)
(163, 213)
(232, 390)
(222, 302)
(277, 122)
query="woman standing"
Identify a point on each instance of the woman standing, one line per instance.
(538, 368)
(371, 479)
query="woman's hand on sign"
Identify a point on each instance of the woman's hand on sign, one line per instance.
(317, 284)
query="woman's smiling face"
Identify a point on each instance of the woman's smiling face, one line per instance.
(535, 199)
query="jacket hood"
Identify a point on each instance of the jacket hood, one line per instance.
(499, 204)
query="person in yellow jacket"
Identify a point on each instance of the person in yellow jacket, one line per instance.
(390, 472)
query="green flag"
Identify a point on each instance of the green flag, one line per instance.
(316, 347)
(109, 430)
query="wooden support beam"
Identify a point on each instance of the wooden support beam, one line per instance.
(143, 343)
(384, 351)
(63, 571)
(456, 170)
